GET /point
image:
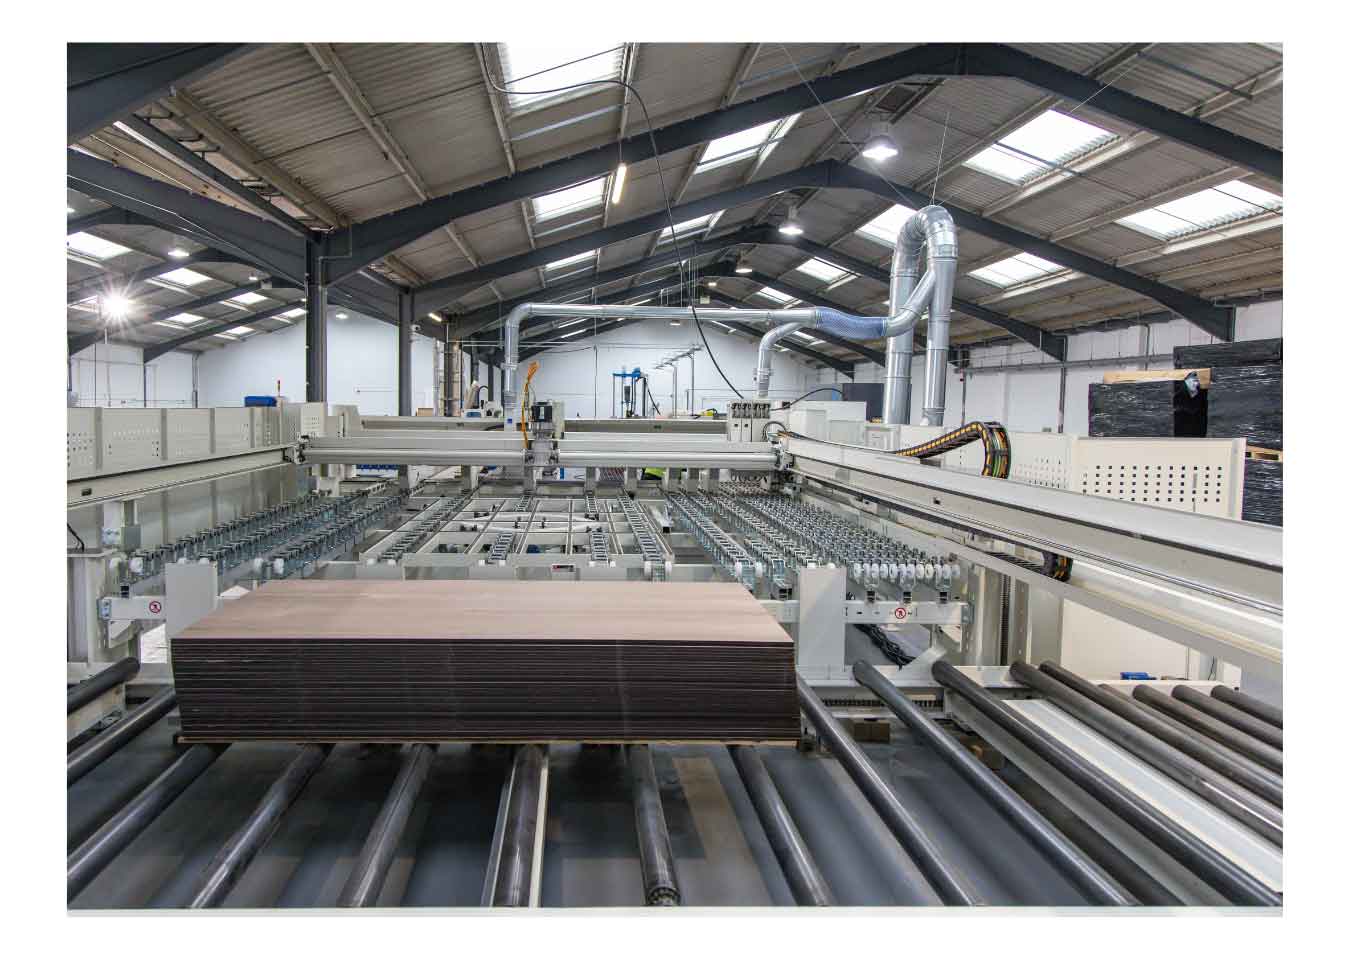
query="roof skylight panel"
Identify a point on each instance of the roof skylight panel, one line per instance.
(687, 227)
(743, 145)
(1204, 210)
(183, 277)
(822, 270)
(185, 318)
(530, 68)
(247, 298)
(96, 247)
(885, 227)
(572, 199)
(571, 261)
(776, 295)
(1015, 270)
(1038, 146)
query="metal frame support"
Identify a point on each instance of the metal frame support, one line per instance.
(316, 325)
(405, 326)
(105, 81)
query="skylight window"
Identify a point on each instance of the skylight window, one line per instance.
(885, 228)
(96, 247)
(570, 200)
(756, 142)
(804, 336)
(1205, 210)
(245, 299)
(822, 270)
(165, 323)
(1015, 270)
(185, 318)
(183, 277)
(239, 331)
(688, 227)
(776, 295)
(299, 312)
(1038, 146)
(571, 261)
(528, 67)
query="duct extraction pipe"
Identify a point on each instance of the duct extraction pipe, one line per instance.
(764, 367)
(823, 318)
(932, 227)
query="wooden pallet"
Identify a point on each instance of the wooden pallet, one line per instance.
(1148, 376)
(1264, 453)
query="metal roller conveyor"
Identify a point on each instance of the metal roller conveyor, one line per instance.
(1088, 876)
(229, 864)
(1257, 708)
(1189, 850)
(517, 844)
(90, 754)
(659, 882)
(1214, 730)
(1239, 803)
(377, 853)
(87, 691)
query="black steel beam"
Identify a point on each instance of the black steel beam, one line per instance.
(378, 237)
(103, 846)
(808, 885)
(1088, 877)
(998, 59)
(169, 148)
(231, 860)
(101, 218)
(466, 325)
(82, 340)
(438, 293)
(951, 886)
(156, 350)
(126, 283)
(91, 688)
(368, 874)
(250, 238)
(1181, 844)
(1051, 344)
(105, 81)
(660, 886)
(1215, 320)
(89, 755)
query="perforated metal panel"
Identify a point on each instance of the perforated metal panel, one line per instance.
(131, 439)
(1194, 475)
(188, 433)
(81, 441)
(234, 430)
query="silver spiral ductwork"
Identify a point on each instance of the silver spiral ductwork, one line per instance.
(912, 293)
(824, 318)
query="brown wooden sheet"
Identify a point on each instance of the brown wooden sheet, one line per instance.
(488, 661)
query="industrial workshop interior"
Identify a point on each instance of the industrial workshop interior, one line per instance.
(551, 474)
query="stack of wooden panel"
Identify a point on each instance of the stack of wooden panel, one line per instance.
(496, 661)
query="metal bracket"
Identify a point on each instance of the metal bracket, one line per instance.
(131, 608)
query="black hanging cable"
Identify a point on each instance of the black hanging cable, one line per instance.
(77, 537)
(813, 392)
(648, 390)
(665, 193)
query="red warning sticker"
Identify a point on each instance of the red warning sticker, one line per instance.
(156, 606)
(901, 613)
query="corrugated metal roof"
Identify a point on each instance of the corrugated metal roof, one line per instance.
(438, 109)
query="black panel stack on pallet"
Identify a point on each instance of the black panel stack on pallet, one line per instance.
(1246, 399)
(1155, 408)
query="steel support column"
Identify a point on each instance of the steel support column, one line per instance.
(405, 325)
(316, 325)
